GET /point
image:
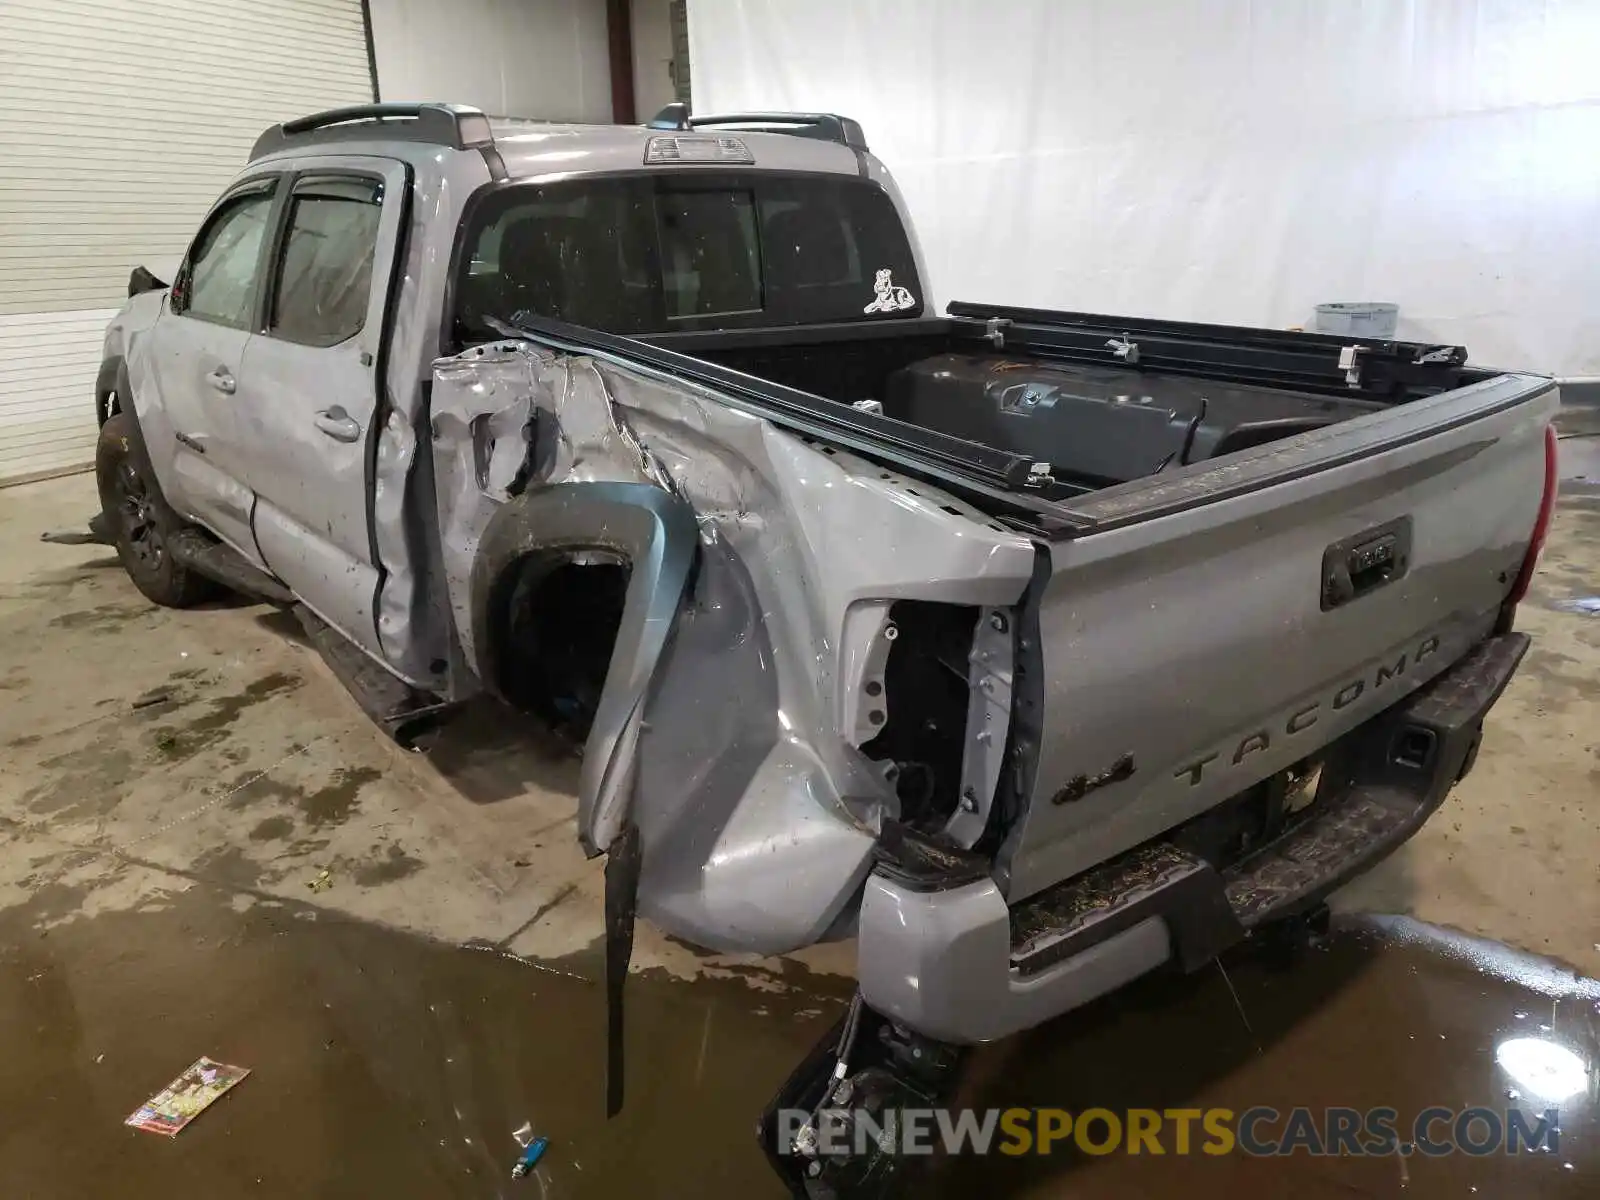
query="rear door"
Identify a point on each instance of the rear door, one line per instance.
(310, 386)
(1190, 655)
(198, 350)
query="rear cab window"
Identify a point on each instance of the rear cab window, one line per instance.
(664, 252)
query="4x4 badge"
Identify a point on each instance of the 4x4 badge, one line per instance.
(1080, 786)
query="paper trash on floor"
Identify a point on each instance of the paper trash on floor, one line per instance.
(186, 1097)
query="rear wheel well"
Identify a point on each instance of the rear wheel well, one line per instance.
(557, 620)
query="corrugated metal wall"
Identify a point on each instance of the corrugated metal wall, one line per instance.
(679, 17)
(123, 121)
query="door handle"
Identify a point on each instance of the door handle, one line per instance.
(338, 424)
(222, 379)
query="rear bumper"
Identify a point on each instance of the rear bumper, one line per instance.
(958, 964)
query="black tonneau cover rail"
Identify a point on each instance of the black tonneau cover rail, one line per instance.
(1312, 362)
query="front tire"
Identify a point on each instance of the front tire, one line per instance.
(142, 524)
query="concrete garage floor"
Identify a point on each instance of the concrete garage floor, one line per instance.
(173, 787)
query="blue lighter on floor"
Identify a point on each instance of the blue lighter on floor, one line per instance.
(530, 1157)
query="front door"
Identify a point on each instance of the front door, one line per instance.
(198, 349)
(310, 384)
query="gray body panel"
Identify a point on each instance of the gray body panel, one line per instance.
(940, 963)
(1181, 628)
(187, 355)
(1185, 639)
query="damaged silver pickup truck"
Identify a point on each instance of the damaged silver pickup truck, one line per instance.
(1033, 650)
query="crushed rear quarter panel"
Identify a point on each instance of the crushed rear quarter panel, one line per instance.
(737, 757)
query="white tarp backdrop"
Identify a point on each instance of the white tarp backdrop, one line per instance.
(1236, 161)
(525, 58)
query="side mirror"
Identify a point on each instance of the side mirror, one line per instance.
(141, 281)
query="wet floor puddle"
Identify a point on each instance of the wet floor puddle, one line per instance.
(386, 1065)
(1383, 1013)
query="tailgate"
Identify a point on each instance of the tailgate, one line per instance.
(1207, 629)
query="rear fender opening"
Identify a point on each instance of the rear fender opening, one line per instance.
(562, 612)
(575, 590)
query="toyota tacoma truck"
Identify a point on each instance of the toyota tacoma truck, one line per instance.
(1033, 650)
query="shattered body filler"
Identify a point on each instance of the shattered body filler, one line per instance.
(747, 668)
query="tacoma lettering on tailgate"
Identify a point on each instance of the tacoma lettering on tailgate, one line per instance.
(1305, 716)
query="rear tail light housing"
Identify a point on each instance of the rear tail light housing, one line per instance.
(1541, 527)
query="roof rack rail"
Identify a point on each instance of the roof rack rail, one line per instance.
(826, 127)
(455, 125)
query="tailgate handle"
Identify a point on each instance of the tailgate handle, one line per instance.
(1358, 565)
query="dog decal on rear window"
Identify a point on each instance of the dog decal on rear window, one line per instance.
(890, 297)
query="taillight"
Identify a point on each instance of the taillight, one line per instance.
(1547, 506)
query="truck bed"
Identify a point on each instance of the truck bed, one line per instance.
(1248, 544)
(1220, 603)
(1112, 401)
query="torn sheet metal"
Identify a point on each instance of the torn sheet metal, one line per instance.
(756, 809)
(991, 667)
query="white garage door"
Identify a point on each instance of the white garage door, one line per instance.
(123, 120)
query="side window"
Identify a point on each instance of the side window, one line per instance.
(218, 282)
(324, 276)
